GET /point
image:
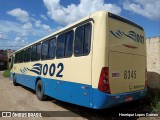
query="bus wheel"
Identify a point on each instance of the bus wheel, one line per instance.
(40, 91)
(14, 81)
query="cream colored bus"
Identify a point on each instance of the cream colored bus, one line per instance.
(96, 62)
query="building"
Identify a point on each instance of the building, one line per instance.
(4, 59)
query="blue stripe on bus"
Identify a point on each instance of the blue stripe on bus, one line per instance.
(103, 100)
(77, 93)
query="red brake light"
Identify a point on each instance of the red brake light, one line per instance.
(104, 80)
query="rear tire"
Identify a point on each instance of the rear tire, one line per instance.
(14, 81)
(40, 91)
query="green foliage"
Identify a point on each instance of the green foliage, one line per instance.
(158, 105)
(6, 73)
(155, 99)
(152, 100)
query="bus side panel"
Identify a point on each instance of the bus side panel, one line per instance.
(67, 79)
(100, 43)
(26, 80)
(73, 87)
(99, 60)
(68, 91)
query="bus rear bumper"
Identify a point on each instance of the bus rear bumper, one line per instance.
(103, 100)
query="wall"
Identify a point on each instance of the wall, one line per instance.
(153, 61)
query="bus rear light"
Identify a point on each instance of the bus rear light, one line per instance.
(103, 85)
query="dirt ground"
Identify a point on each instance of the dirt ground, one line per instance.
(19, 98)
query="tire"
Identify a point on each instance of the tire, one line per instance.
(14, 81)
(40, 91)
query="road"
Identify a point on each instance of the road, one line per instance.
(19, 98)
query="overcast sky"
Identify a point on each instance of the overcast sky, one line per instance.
(25, 21)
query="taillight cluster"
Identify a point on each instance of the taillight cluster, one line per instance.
(104, 80)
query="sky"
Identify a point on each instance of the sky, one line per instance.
(25, 21)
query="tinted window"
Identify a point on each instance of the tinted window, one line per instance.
(87, 40)
(16, 58)
(52, 48)
(28, 54)
(21, 56)
(82, 40)
(44, 54)
(78, 45)
(38, 52)
(25, 55)
(68, 44)
(33, 53)
(60, 46)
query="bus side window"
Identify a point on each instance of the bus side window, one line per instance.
(52, 48)
(68, 44)
(82, 40)
(60, 46)
(44, 54)
(33, 53)
(21, 55)
(78, 45)
(25, 55)
(16, 58)
(38, 57)
(19, 58)
(28, 54)
(87, 40)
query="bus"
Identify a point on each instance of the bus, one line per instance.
(97, 62)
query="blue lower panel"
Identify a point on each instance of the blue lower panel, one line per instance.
(28, 81)
(104, 100)
(76, 93)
